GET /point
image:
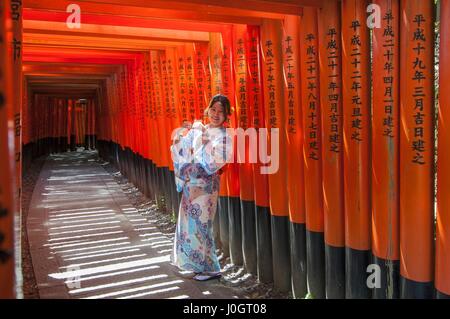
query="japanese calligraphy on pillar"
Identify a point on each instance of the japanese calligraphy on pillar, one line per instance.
(207, 64)
(165, 85)
(313, 134)
(16, 16)
(226, 69)
(271, 87)
(142, 100)
(290, 78)
(388, 79)
(356, 86)
(215, 44)
(183, 88)
(149, 80)
(201, 77)
(418, 143)
(255, 85)
(191, 96)
(334, 97)
(157, 85)
(254, 98)
(217, 61)
(146, 85)
(241, 76)
(172, 102)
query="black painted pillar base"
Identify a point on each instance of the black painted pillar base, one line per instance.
(167, 189)
(264, 244)
(298, 259)
(149, 178)
(281, 255)
(137, 170)
(390, 278)
(157, 182)
(441, 295)
(174, 193)
(356, 262)
(62, 144)
(334, 272)
(315, 256)
(410, 289)
(249, 236)
(235, 230)
(73, 147)
(87, 144)
(153, 180)
(224, 225)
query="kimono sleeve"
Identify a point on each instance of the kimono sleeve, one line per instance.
(181, 156)
(218, 152)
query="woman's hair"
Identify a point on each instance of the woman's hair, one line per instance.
(225, 103)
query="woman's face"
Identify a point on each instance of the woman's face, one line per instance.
(216, 114)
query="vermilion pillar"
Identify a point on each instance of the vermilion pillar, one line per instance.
(442, 273)
(260, 181)
(312, 153)
(416, 148)
(232, 171)
(271, 41)
(385, 149)
(244, 153)
(7, 207)
(330, 57)
(356, 128)
(294, 145)
(216, 53)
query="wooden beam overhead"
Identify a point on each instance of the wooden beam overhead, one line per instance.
(99, 42)
(144, 12)
(120, 20)
(119, 32)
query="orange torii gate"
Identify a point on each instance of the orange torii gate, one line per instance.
(352, 198)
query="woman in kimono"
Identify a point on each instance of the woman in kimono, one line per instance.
(199, 153)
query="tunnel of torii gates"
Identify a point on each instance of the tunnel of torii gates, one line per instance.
(363, 184)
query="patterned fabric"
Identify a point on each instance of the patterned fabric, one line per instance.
(197, 159)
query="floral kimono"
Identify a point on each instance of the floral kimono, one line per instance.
(198, 157)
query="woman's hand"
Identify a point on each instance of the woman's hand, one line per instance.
(182, 131)
(205, 138)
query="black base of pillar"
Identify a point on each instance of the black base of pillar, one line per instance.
(315, 256)
(390, 278)
(441, 295)
(264, 244)
(73, 147)
(410, 289)
(235, 230)
(356, 262)
(298, 259)
(334, 272)
(281, 253)
(248, 211)
(224, 225)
